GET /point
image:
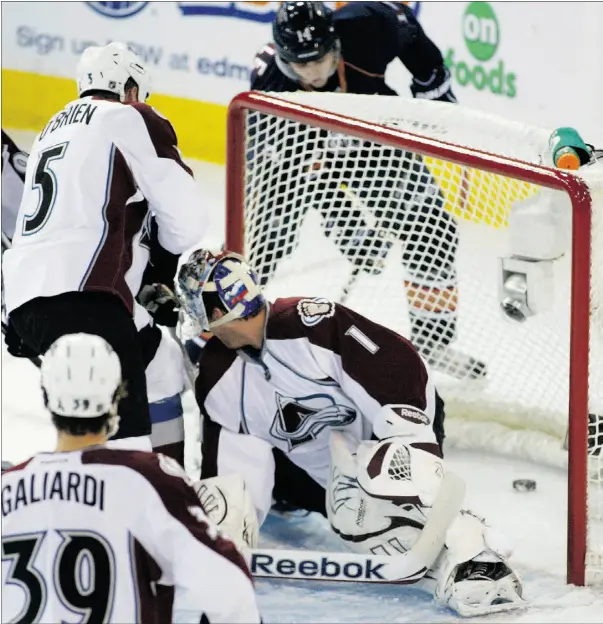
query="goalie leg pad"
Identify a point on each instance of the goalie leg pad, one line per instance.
(227, 501)
(383, 512)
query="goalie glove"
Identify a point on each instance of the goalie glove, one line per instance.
(161, 304)
(380, 492)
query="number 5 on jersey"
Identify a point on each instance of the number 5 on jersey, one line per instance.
(46, 182)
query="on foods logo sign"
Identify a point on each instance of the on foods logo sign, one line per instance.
(482, 34)
(481, 31)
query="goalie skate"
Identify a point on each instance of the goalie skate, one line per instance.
(472, 575)
(484, 587)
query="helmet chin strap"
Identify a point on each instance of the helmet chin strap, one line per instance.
(113, 424)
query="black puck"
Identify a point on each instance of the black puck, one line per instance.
(524, 485)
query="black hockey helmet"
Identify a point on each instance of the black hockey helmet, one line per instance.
(303, 31)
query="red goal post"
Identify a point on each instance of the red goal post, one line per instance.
(464, 156)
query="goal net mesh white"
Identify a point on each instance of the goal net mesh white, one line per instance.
(415, 243)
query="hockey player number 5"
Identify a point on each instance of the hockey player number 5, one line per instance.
(46, 183)
(84, 575)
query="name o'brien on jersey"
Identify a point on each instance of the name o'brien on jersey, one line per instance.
(74, 113)
(101, 211)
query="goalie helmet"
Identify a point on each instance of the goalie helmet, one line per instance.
(229, 276)
(108, 68)
(303, 32)
(81, 374)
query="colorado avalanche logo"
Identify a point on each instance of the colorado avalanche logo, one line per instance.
(312, 311)
(117, 9)
(300, 420)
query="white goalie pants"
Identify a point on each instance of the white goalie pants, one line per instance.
(165, 375)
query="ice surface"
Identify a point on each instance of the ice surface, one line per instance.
(534, 521)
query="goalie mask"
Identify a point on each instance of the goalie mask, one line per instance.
(229, 276)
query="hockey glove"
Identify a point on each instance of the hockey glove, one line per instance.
(436, 87)
(161, 303)
(14, 344)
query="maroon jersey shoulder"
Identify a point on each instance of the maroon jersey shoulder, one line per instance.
(161, 132)
(214, 361)
(175, 491)
(17, 467)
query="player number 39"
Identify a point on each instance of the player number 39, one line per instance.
(84, 573)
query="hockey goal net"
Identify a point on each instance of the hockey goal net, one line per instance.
(399, 208)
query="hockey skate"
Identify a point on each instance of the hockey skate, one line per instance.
(433, 337)
(479, 587)
(288, 510)
(454, 363)
(482, 585)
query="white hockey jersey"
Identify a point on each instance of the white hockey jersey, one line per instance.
(14, 162)
(115, 536)
(95, 173)
(322, 367)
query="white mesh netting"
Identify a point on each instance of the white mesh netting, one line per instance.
(399, 467)
(415, 243)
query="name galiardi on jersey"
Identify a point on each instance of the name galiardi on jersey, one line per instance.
(74, 113)
(72, 487)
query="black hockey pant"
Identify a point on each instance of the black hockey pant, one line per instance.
(43, 320)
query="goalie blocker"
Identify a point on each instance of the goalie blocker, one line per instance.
(309, 401)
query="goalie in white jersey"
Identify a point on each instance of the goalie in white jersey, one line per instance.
(313, 403)
(109, 535)
(98, 172)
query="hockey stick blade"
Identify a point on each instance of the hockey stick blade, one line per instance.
(406, 568)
